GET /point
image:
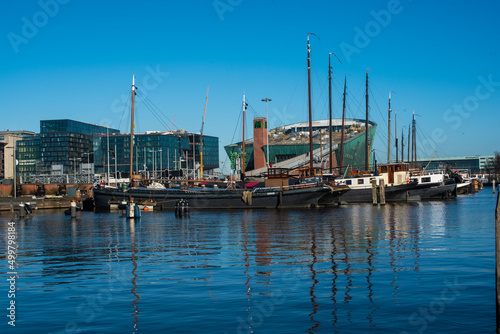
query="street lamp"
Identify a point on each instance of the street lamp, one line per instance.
(267, 132)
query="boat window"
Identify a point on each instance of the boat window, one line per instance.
(426, 179)
(398, 168)
(383, 169)
(348, 182)
(361, 181)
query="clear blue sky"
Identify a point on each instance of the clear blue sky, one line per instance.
(75, 59)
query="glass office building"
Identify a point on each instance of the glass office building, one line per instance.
(28, 155)
(210, 147)
(64, 145)
(153, 152)
(68, 143)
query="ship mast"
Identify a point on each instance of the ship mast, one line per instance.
(389, 131)
(132, 129)
(311, 160)
(330, 105)
(414, 139)
(396, 132)
(342, 131)
(367, 163)
(243, 158)
(402, 145)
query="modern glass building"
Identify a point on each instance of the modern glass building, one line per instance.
(68, 143)
(9, 141)
(155, 152)
(475, 164)
(210, 146)
(28, 155)
(63, 146)
(152, 153)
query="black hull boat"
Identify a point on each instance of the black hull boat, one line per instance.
(258, 198)
(333, 198)
(433, 191)
(392, 194)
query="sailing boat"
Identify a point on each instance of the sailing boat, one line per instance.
(284, 196)
(311, 174)
(396, 176)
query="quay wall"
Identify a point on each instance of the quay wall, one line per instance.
(30, 189)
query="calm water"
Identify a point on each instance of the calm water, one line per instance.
(424, 267)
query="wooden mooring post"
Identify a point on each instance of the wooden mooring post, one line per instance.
(494, 186)
(382, 192)
(497, 257)
(374, 191)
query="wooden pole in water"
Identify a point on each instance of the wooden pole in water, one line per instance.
(382, 192)
(497, 257)
(493, 184)
(374, 191)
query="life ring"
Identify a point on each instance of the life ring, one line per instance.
(146, 209)
(407, 180)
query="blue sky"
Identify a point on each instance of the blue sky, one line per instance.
(75, 59)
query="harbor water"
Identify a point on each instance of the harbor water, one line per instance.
(422, 267)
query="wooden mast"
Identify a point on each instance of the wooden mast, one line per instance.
(243, 158)
(414, 139)
(389, 131)
(132, 129)
(342, 131)
(396, 132)
(311, 160)
(330, 107)
(402, 145)
(367, 163)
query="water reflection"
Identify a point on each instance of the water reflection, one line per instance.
(135, 303)
(312, 292)
(354, 267)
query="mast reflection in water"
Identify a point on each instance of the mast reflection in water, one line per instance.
(398, 268)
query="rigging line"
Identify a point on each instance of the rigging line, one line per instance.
(126, 111)
(357, 103)
(234, 135)
(322, 90)
(382, 117)
(137, 112)
(154, 112)
(250, 108)
(437, 147)
(290, 101)
(158, 109)
(146, 103)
